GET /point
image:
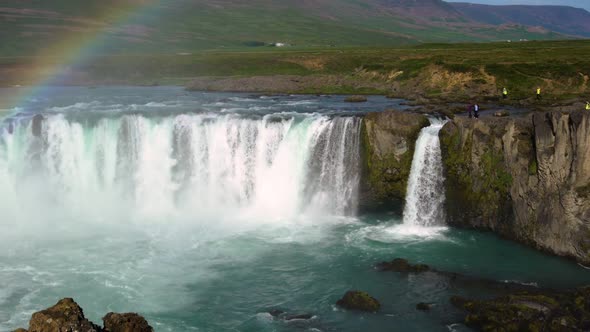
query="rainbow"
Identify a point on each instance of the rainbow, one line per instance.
(75, 48)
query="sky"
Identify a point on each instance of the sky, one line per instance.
(574, 3)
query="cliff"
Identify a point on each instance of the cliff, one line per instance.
(388, 141)
(527, 179)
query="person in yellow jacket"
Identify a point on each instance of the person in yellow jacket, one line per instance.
(538, 93)
(504, 93)
(588, 105)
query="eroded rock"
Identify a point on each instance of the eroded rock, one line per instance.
(65, 315)
(388, 141)
(524, 178)
(68, 316)
(357, 300)
(129, 322)
(566, 311)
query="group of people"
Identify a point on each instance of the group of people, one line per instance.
(505, 95)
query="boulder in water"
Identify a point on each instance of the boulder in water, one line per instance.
(424, 306)
(357, 300)
(129, 322)
(66, 315)
(402, 265)
(299, 317)
(528, 312)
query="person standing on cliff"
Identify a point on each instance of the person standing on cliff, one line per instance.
(504, 93)
(538, 93)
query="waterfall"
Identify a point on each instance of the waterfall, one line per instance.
(275, 166)
(425, 194)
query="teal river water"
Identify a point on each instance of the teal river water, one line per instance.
(224, 265)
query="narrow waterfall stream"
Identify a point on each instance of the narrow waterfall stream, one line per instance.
(425, 194)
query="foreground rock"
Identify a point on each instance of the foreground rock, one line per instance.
(529, 312)
(402, 265)
(356, 300)
(525, 178)
(388, 141)
(67, 316)
(129, 322)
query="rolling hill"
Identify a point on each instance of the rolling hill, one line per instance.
(37, 27)
(563, 19)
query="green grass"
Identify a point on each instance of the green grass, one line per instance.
(518, 66)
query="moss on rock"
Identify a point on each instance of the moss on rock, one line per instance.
(388, 142)
(357, 300)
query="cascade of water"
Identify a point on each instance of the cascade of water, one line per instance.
(274, 166)
(425, 194)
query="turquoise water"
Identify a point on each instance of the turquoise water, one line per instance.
(204, 212)
(227, 277)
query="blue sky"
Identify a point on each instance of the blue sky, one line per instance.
(574, 3)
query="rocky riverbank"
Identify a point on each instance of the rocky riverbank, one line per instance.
(67, 315)
(525, 178)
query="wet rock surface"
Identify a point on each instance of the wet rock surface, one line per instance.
(402, 265)
(524, 178)
(129, 322)
(387, 150)
(357, 300)
(67, 316)
(567, 311)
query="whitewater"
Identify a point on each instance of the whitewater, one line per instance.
(206, 211)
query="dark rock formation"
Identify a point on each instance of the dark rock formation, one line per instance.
(355, 99)
(356, 300)
(525, 178)
(569, 311)
(129, 322)
(424, 306)
(402, 265)
(388, 149)
(67, 316)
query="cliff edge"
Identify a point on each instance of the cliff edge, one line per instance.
(527, 179)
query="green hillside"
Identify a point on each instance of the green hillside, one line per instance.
(142, 26)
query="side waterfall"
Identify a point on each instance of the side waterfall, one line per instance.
(425, 194)
(276, 166)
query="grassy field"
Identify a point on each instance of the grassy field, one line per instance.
(561, 68)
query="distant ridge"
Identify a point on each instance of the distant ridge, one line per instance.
(563, 19)
(183, 26)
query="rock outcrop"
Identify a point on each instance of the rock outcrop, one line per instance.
(388, 144)
(357, 300)
(129, 322)
(526, 178)
(565, 311)
(67, 316)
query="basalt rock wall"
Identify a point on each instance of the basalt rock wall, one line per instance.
(526, 178)
(388, 141)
